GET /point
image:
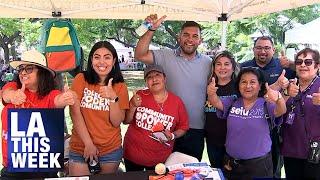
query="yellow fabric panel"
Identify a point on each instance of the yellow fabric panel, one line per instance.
(59, 37)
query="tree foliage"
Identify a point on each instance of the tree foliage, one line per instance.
(17, 32)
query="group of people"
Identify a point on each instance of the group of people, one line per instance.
(190, 99)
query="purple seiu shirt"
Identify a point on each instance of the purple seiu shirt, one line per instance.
(248, 134)
(296, 137)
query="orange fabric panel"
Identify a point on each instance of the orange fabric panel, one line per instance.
(61, 61)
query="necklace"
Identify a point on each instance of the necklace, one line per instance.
(160, 105)
(161, 102)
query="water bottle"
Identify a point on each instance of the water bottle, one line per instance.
(143, 28)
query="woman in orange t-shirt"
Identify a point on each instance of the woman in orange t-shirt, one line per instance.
(102, 98)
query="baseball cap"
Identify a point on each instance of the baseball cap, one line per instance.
(153, 67)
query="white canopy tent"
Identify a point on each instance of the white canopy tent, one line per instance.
(196, 10)
(305, 34)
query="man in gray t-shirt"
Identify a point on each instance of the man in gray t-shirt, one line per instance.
(187, 72)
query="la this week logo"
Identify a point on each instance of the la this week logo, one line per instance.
(35, 151)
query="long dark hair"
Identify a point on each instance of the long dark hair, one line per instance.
(92, 77)
(45, 80)
(260, 76)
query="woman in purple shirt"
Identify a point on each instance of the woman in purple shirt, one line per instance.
(301, 129)
(248, 142)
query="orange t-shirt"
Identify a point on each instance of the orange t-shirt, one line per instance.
(95, 112)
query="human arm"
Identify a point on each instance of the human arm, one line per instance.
(281, 83)
(174, 135)
(116, 113)
(90, 151)
(67, 97)
(15, 96)
(276, 97)
(182, 123)
(212, 95)
(285, 62)
(142, 52)
(135, 102)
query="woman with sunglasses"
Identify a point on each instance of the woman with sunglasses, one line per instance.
(224, 70)
(34, 88)
(102, 99)
(301, 129)
(248, 142)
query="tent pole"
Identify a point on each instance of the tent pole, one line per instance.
(224, 20)
(224, 35)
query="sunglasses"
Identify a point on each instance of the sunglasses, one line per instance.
(307, 62)
(28, 69)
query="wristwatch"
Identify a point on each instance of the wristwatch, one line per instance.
(114, 100)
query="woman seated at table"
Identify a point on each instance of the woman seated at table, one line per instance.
(151, 110)
(248, 142)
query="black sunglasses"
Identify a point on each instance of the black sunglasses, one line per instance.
(307, 62)
(27, 68)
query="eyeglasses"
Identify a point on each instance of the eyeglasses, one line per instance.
(265, 48)
(27, 68)
(307, 62)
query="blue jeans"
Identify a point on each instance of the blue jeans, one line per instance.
(216, 155)
(112, 157)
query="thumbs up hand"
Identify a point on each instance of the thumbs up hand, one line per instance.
(293, 88)
(271, 95)
(135, 100)
(67, 96)
(284, 61)
(19, 97)
(316, 98)
(282, 81)
(212, 89)
(107, 91)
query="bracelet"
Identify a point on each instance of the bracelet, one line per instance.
(152, 30)
(173, 136)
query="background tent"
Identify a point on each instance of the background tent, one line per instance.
(305, 34)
